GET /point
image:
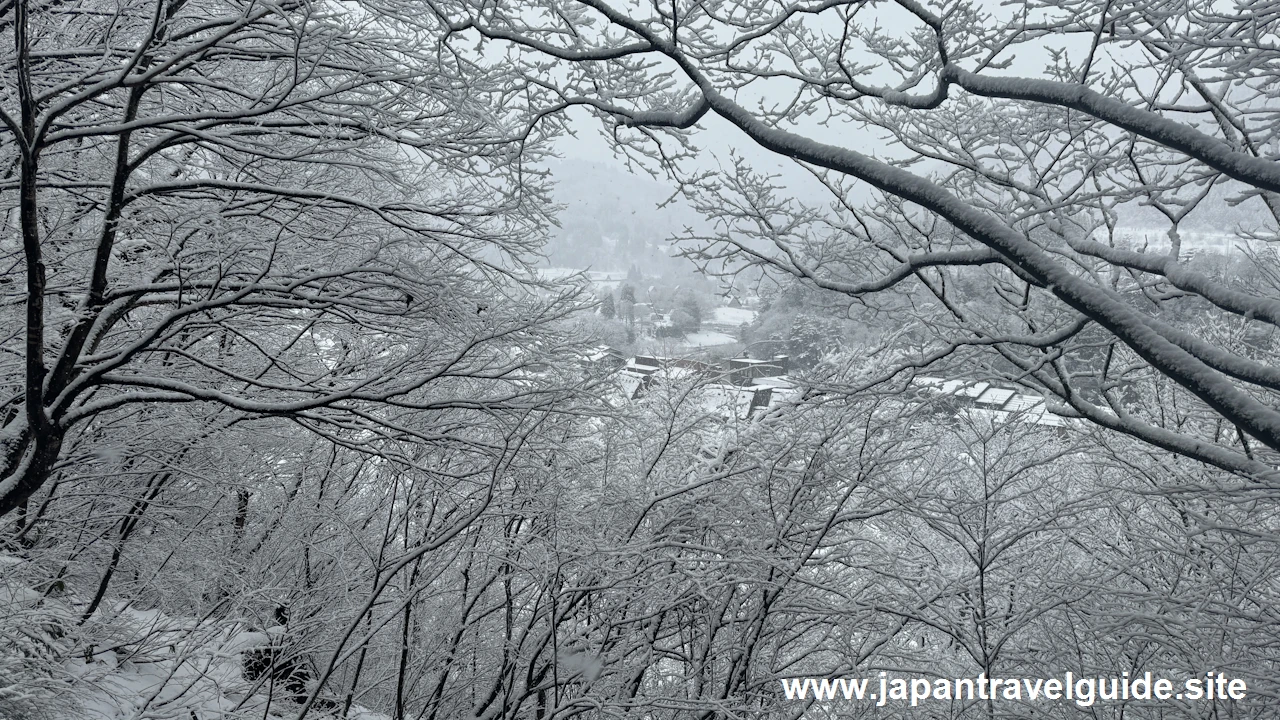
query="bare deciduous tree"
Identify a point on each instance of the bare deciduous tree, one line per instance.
(288, 211)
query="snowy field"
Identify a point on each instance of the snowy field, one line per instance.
(708, 338)
(732, 316)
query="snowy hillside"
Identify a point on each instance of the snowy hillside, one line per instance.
(126, 663)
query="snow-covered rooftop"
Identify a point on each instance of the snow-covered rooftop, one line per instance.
(994, 402)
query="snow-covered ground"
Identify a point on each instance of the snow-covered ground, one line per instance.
(140, 664)
(732, 316)
(708, 338)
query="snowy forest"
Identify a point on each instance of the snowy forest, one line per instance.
(551, 359)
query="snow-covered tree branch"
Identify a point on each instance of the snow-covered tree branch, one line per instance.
(279, 209)
(1028, 139)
